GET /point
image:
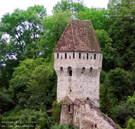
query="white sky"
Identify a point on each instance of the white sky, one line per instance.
(10, 5)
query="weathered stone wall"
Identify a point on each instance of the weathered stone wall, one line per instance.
(84, 115)
(85, 79)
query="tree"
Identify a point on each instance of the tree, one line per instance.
(22, 28)
(131, 124)
(53, 29)
(97, 16)
(106, 46)
(126, 110)
(33, 83)
(18, 34)
(120, 83)
(69, 5)
(121, 30)
(6, 102)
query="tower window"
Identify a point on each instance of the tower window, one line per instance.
(95, 125)
(83, 70)
(57, 55)
(61, 70)
(70, 89)
(94, 56)
(79, 55)
(69, 71)
(91, 70)
(87, 56)
(73, 55)
(65, 55)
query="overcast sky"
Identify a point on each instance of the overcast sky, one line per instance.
(10, 5)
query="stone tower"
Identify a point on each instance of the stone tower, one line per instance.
(78, 62)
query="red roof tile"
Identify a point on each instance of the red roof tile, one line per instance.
(80, 36)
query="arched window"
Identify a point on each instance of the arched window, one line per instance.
(83, 70)
(91, 69)
(69, 71)
(61, 70)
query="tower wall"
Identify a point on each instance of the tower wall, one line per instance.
(78, 75)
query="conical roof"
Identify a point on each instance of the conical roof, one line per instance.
(78, 36)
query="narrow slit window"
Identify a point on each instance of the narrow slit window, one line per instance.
(79, 55)
(91, 70)
(94, 56)
(69, 71)
(95, 125)
(73, 55)
(87, 56)
(65, 55)
(57, 55)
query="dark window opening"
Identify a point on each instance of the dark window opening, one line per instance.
(57, 55)
(94, 56)
(70, 90)
(91, 57)
(65, 55)
(91, 70)
(73, 55)
(83, 70)
(79, 55)
(87, 98)
(87, 56)
(61, 70)
(70, 71)
(68, 108)
(95, 125)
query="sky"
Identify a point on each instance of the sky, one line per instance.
(8, 6)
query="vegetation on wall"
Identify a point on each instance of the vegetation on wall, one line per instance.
(28, 80)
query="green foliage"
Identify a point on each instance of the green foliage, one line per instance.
(116, 87)
(56, 111)
(121, 30)
(121, 83)
(131, 124)
(107, 100)
(33, 83)
(30, 118)
(106, 46)
(56, 126)
(69, 5)
(125, 111)
(6, 102)
(97, 16)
